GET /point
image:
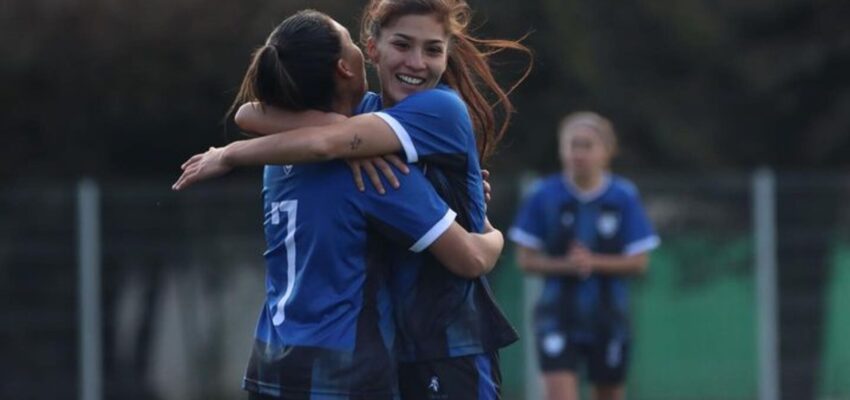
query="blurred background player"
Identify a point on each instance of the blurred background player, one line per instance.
(585, 232)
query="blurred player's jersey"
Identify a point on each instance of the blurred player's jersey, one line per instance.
(440, 314)
(326, 327)
(610, 220)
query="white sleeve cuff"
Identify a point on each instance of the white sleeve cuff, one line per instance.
(643, 245)
(435, 232)
(403, 136)
(524, 238)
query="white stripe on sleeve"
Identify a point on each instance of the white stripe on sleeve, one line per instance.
(643, 245)
(435, 232)
(524, 238)
(403, 136)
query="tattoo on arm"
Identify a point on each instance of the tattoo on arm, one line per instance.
(356, 142)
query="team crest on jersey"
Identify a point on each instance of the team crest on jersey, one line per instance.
(434, 385)
(567, 219)
(287, 169)
(554, 343)
(607, 224)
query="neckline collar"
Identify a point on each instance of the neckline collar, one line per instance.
(589, 195)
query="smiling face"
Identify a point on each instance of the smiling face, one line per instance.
(410, 54)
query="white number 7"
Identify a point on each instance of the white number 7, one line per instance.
(290, 207)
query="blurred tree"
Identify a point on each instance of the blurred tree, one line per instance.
(693, 84)
(116, 88)
(127, 88)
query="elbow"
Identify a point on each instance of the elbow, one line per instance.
(523, 262)
(642, 265)
(474, 266)
(471, 274)
(520, 265)
(321, 149)
(482, 266)
(332, 143)
(473, 269)
(244, 117)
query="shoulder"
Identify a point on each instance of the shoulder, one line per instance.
(545, 186)
(553, 183)
(624, 188)
(441, 98)
(370, 102)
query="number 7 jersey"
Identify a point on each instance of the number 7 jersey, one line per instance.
(326, 325)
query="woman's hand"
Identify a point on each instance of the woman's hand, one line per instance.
(202, 166)
(485, 175)
(580, 260)
(371, 165)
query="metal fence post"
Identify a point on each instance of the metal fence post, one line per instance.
(764, 223)
(531, 288)
(88, 258)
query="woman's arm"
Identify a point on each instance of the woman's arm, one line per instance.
(466, 254)
(619, 264)
(259, 120)
(535, 261)
(362, 136)
(365, 135)
(581, 262)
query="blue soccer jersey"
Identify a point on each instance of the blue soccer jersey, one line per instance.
(326, 327)
(440, 314)
(608, 221)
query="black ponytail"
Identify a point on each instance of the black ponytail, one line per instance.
(294, 69)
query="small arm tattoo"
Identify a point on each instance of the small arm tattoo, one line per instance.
(356, 142)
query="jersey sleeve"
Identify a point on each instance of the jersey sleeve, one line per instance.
(638, 233)
(412, 215)
(370, 102)
(528, 228)
(433, 121)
